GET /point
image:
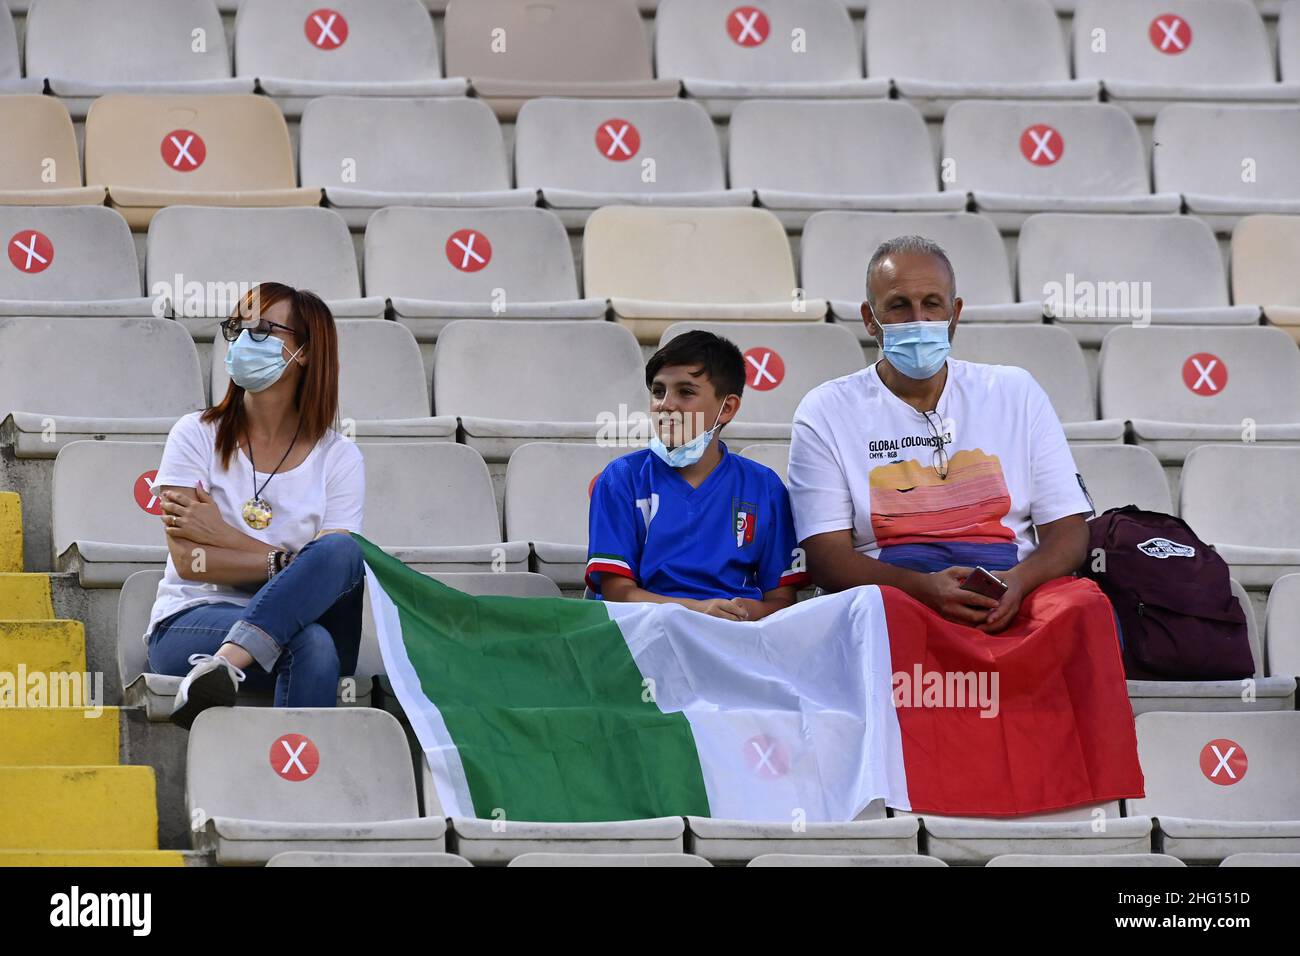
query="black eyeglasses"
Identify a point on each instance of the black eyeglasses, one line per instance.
(939, 462)
(232, 327)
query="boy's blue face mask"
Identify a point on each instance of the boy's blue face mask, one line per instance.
(916, 349)
(685, 455)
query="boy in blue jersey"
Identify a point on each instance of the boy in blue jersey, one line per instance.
(685, 521)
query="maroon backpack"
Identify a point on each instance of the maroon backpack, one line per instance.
(1179, 617)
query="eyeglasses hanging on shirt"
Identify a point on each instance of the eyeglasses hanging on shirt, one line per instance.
(939, 461)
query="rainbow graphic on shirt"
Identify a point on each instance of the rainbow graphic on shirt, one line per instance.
(911, 504)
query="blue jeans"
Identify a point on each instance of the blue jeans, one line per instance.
(303, 627)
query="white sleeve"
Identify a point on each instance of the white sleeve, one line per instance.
(1056, 489)
(187, 456)
(819, 490)
(345, 488)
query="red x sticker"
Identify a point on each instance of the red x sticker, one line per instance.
(748, 26)
(1042, 145)
(144, 495)
(31, 251)
(294, 757)
(1205, 374)
(1170, 34)
(618, 140)
(1223, 762)
(764, 369)
(326, 29)
(183, 150)
(766, 757)
(468, 250)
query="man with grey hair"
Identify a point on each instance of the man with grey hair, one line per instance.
(920, 469)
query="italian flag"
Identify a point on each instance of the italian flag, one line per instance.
(555, 709)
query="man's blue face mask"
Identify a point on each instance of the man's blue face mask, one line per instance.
(916, 349)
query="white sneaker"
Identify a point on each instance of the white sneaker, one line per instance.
(211, 682)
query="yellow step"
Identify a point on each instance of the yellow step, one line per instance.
(25, 597)
(78, 808)
(11, 532)
(91, 858)
(49, 646)
(59, 737)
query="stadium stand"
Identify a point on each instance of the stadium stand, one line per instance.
(655, 860)
(1264, 251)
(1118, 475)
(320, 858)
(807, 859)
(40, 162)
(11, 75)
(736, 843)
(1282, 625)
(1079, 859)
(776, 455)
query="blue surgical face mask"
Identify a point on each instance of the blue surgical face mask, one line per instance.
(683, 456)
(916, 349)
(255, 366)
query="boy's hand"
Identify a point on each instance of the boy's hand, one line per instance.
(729, 609)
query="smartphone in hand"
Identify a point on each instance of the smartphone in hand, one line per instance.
(983, 582)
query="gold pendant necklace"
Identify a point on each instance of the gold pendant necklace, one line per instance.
(257, 510)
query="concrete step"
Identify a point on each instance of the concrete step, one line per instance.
(42, 646)
(96, 858)
(78, 808)
(11, 532)
(59, 737)
(25, 597)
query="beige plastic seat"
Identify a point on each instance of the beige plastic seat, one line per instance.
(263, 781)
(1221, 784)
(738, 842)
(808, 859)
(371, 152)
(383, 385)
(775, 455)
(201, 260)
(548, 491)
(1241, 499)
(515, 382)
(1229, 161)
(513, 52)
(583, 154)
(67, 379)
(156, 151)
(941, 51)
(837, 246)
(1194, 50)
(776, 148)
(1083, 859)
(12, 79)
(1183, 387)
(1021, 158)
(1283, 626)
(86, 50)
(659, 266)
(725, 53)
(438, 265)
(315, 858)
(40, 163)
(1264, 252)
(298, 50)
(69, 260)
(783, 363)
(1094, 272)
(1056, 361)
(1118, 475)
(654, 860)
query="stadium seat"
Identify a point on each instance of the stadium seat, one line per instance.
(1118, 475)
(609, 859)
(1202, 50)
(837, 246)
(316, 858)
(1183, 387)
(1262, 859)
(781, 149)
(1229, 161)
(515, 382)
(1221, 784)
(737, 842)
(726, 53)
(370, 152)
(1021, 158)
(431, 505)
(548, 488)
(1083, 859)
(437, 265)
(809, 859)
(941, 51)
(1265, 250)
(200, 261)
(1241, 499)
(1095, 272)
(583, 154)
(490, 842)
(513, 51)
(659, 266)
(1288, 41)
(86, 50)
(297, 50)
(262, 781)
(383, 385)
(40, 163)
(1055, 360)
(67, 379)
(1283, 626)
(11, 76)
(783, 362)
(231, 151)
(776, 455)
(69, 260)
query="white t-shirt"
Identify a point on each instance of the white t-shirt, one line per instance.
(327, 490)
(863, 459)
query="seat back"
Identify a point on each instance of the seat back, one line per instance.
(1208, 150)
(67, 253)
(39, 148)
(548, 490)
(776, 455)
(428, 495)
(1265, 250)
(101, 492)
(1049, 353)
(1242, 495)
(1118, 475)
(134, 607)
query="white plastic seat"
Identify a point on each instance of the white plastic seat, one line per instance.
(1241, 499)
(1118, 475)
(1094, 272)
(1244, 798)
(1125, 860)
(1056, 361)
(725, 53)
(316, 858)
(371, 152)
(263, 781)
(653, 860)
(1261, 859)
(779, 148)
(40, 162)
(737, 842)
(1021, 158)
(67, 379)
(580, 154)
(1195, 50)
(296, 50)
(808, 859)
(1264, 252)
(383, 385)
(783, 363)
(1229, 161)
(1283, 626)
(12, 79)
(69, 261)
(1183, 387)
(776, 455)
(515, 382)
(487, 843)
(941, 51)
(86, 50)
(438, 265)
